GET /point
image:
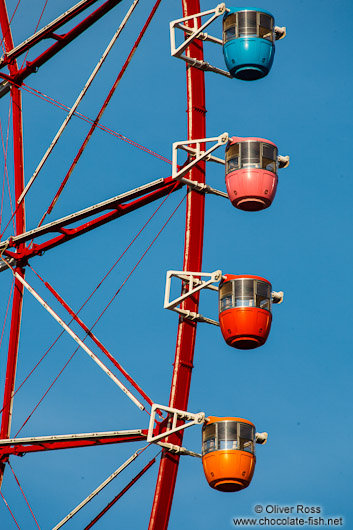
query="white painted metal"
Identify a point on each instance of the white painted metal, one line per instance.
(177, 449)
(193, 151)
(196, 152)
(194, 284)
(79, 341)
(83, 214)
(197, 32)
(96, 491)
(190, 417)
(38, 440)
(41, 31)
(78, 101)
(205, 188)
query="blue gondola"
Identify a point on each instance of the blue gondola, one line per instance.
(248, 42)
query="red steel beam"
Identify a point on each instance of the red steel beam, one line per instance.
(123, 491)
(63, 40)
(21, 450)
(68, 234)
(45, 33)
(185, 344)
(20, 228)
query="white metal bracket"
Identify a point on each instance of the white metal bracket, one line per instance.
(175, 416)
(177, 449)
(197, 154)
(195, 30)
(192, 284)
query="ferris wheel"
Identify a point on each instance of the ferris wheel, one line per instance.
(244, 301)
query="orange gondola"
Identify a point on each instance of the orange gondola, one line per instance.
(228, 453)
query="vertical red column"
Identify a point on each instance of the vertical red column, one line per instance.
(184, 353)
(20, 228)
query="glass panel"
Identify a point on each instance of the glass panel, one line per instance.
(263, 295)
(209, 438)
(246, 431)
(229, 34)
(229, 27)
(230, 20)
(266, 21)
(265, 27)
(263, 289)
(225, 296)
(246, 438)
(247, 24)
(232, 164)
(244, 293)
(269, 158)
(269, 151)
(209, 431)
(269, 165)
(227, 435)
(250, 154)
(232, 150)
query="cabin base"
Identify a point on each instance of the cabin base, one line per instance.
(252, 204)
(249, 73)
(245, 343)
(229, 485)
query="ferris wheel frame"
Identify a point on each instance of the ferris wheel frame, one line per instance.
(16, 252)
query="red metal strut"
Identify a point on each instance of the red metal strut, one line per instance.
(20, 228)
(185, 344)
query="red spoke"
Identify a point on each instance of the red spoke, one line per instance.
(6, 176)
(6, 313)
(8, 507)
(95, 123)
(137, 264)
(11, 19)
(91, 295)
(104, 310)
(40, 18)
(122, 492)
(24, 496)
(193, 246)
(46, 392)
(94, 338)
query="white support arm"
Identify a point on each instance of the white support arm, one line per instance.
(199, 155)
(196, 32)
(177, 449)
(176, 414)
(194, 286)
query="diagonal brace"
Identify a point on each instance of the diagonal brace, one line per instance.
(79, 341)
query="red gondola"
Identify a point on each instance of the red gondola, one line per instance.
(245, 310)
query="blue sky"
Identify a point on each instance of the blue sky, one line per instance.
(297, 387)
